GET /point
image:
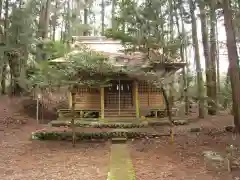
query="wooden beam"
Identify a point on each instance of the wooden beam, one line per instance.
(102, 102)
(136, 99)
(69, 99)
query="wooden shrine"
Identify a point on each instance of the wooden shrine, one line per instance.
(127, 97)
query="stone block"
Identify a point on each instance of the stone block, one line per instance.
(215, 161)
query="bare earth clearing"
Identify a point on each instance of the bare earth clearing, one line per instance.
(153, 159)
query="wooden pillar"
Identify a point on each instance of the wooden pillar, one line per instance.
(148, 94)
(136, 99)
(69, 99)
(102, 102)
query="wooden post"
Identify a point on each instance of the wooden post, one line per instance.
(102, 102)
(136, 99)
(119, 97)
(37, 112)
(69, 99)
(148, 94)
(73, 95)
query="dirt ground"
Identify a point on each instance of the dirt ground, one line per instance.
(22, 158)
(183, 160)
(25, 159)
(154, 159)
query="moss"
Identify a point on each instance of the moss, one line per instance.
(87, 136)
(99, 124)
(120, 163)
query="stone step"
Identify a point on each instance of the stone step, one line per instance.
(119, 140)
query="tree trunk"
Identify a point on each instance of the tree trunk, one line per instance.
(15, 70)
(1, 6)
(218, 69)
(16, 59)
(67, 25)
(212, 110)
(184, 74)
(123, 23)
(206, 50)
(85, 33)
(103, 17)
(113, 15)
(54, 23)
(73, 95)
(197, 61)
(62, 32)
(233, 62)
(43, 28)
(169, 112)
(46, 19)
(4, 69)
(171, 37)
(3, 80)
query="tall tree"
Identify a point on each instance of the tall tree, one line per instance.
(233, 61)
(206, 50)
(197, 60)
(4, 68)
(182, 36)
(217, 66)
(55, 19)
(44, 19)
(1, 6)
(85, 16)
(212, 110)
(43, 27)
(102, 17)
(171, 38)
(113, 20)
(67, 22)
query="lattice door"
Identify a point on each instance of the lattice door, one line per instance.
(126, 100)
(119, 94)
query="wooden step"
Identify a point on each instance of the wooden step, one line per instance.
(120, 111)
(116, 113)
(120, 119)
(125, 110)
(123, 113)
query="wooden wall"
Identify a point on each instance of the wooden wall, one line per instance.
(149, 96)
(88, 98)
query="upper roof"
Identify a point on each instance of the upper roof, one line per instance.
(114, 50)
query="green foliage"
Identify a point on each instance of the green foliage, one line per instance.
(143, 26)
(83, 68)
(78, 28)
(54, 49)
(42, 135)
(226, 93)
(19, 41)
(99, 125)
(44, 75)
(23, 25)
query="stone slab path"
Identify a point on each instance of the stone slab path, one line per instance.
(121, 167)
